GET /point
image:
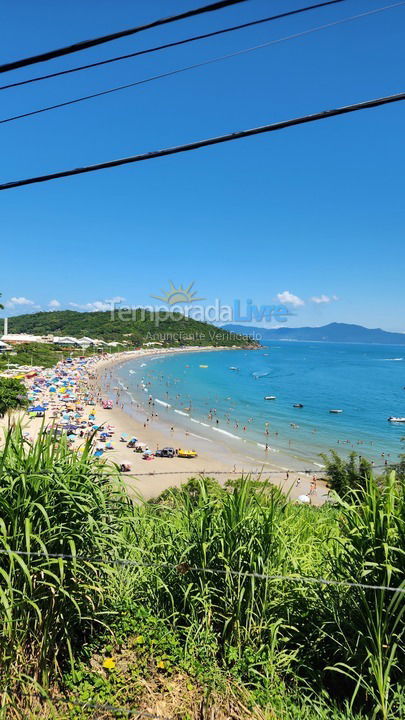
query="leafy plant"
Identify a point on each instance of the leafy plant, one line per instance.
(13, 395)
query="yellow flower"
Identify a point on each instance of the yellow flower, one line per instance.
(109, 663)
(161, 664)
(139, 639)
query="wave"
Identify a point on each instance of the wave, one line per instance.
(201, 437)
(225, 432)
(270, 449)
(260, 373)
(392, 359)
(180, 412)
(161, 402)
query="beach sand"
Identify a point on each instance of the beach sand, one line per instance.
(149, 478)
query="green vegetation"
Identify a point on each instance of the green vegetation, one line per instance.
(43, 355)
(134, 327)
(348, 473)
(13, 395)
(191, 622)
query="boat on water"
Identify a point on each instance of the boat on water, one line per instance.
(203, 366)
(270, 397)
(396, 419)
(300, 405)
(335, 412)
(233, 368)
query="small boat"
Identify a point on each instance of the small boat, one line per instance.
(336, 412)
(396, 419)
(203, 366)
(233, 368)
(298, 405)
(270, 397)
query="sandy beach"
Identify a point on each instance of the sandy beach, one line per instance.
(149, 477)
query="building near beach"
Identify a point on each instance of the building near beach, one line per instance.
(19, 338)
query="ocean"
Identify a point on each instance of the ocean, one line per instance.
(202, 394)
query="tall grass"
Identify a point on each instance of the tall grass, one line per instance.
(347, 640)
(52, 501)
(199, 556)
(368, 636)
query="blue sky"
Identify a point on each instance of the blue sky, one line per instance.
(315, 211)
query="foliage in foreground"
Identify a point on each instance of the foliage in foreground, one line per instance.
(13, 395)
(53, 502)
(193, 612)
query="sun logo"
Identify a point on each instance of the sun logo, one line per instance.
(174, 296)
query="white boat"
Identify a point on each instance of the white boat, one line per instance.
(335, 412)
(396, 419)
(270, 397)
(233, 368)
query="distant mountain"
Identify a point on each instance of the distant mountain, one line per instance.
(334, 332)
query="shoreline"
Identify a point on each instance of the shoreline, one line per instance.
(149, 478)
(214, 455)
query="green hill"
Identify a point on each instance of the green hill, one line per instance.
(134, 327)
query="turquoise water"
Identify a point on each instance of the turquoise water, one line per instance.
(365, 381)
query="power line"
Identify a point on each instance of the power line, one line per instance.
(172, 44)
(184, 567)
(104, 707)
(195, 66)
(85, 44)
(228, 472)
(209, 141)
(113, 709)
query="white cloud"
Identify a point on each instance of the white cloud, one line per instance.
(324, 299)
(290, 299)
(97, 305)
(54, 303)
(115, 300)
(18, 301)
